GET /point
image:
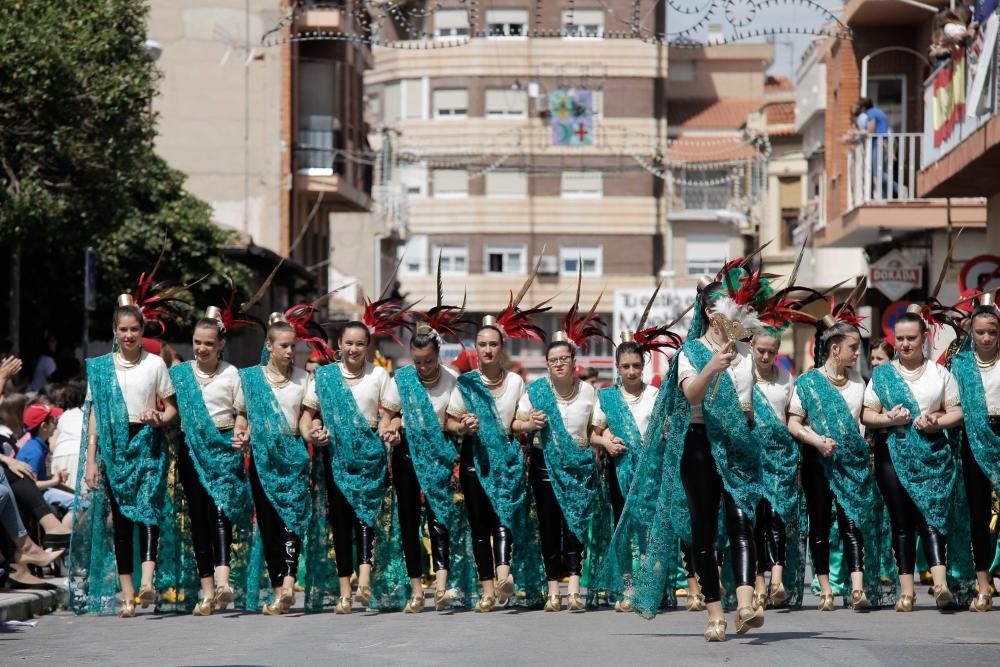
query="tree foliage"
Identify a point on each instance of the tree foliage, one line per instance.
(77, 165)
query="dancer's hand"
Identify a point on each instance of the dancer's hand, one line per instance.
(240, 439)
(723, 359)
(827, 446)
(928, 422)
(615, 446)
(898, 416)
(92, 475)
(320, 436)
(538, 419)
(391, 436)
(470, 422)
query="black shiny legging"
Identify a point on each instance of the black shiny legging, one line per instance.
(906, 519)
(703, 488)
(211, 530)
(347, 528)
(281, 546)
(769, 538)
(492, 542)
(980, 497)
(819, 505)
(404, 480)
(123, 528)
(562, 551)
(615, 490)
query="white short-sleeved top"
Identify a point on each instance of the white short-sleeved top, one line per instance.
(991, 385)
(372, 389)
(853, 393)
(440, 394)
(740, 372)
(505, 396)
(142, 385)
(778, 392)
(934, 389)
(222, 393)
(576, 412)
(290, 396)
(640, 406)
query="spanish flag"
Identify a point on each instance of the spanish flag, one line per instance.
(949, 96)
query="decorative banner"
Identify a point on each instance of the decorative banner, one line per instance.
(949, 95)
(670, 303)
(889, 317)
(980, 273)
(894, 275)
(572, 117)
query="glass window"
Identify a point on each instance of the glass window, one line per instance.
(504, 102)
(506, 258)
(391, 102)
(706, 253)
(582, 184)
(413, 98)
(454, 259)
(451, 23)
(888, 93)
(451, 183)
(413, 176)
(451, 102)
(414, 255)
(706, 189)
(502, 23)
(583, 23)
(506, 183)
(571, 257)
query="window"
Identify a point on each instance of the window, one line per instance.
(451, 183)
(582, 184)
(413, 176)
(390, 102)
(449, 23)
(414, 256)
(403, 100)
(682, 70)
(583, 23)
(571, 256)
(454, 259)
(706, 253)
(506, 258)
(706, 189)
(502, 23)
(888, 93)
(506, 103)
(451, 103)
(506, 184)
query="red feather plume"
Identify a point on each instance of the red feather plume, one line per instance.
(385, 316)
(157, 301)
(307, 331)
(657, 339)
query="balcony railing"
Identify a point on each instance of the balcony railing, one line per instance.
(960, 96)
(883, 168)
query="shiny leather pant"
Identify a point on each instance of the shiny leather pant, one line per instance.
(211, 530)
(615, 490)
(281, 546)
(906, 519)
(404, 480)
(348, 530)
(492, 542)
(123, 527)
(769, 538)
(819, 505)
(980, 497)
(704, 491)
(562, 551)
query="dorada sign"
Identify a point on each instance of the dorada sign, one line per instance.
(894, 275)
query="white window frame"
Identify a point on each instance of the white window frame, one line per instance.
(506, 113)
(497, 172)
(507, 23)
(575, 253)
(448, 253)
(450, 113)
(578, 13)
(451, 195)
(697, 267)
(414, 175)
(451, 32)
(414, 254)
(581, 194)
(506, 249)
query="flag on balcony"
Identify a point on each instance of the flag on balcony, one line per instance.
(949, 96)
(572, 117)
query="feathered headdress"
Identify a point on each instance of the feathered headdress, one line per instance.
(654, 339)
(785, 307)
(442, 318)
(576, 328)
(156, 301)
(386, 314)
(743, 295)
(516, 323)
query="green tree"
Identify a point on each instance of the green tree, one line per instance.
(78, 169)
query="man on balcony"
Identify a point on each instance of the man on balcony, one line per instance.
(872, 122)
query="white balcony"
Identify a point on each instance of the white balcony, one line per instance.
(883, 168)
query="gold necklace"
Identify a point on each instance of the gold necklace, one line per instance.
(836, 381)
(761, 378)
(633, 398)
(351, 376)
(432, 381)
(492, 383)
(566, 398)
(204, 375)
(125, 363)
(277, 384)
(908, 374)
(985, 364)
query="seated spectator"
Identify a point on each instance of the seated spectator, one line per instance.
(65, 444)
(40, 421)
(17, 547)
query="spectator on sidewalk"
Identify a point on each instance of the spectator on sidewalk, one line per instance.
(65, 443)
(40, 421)
(45, 366)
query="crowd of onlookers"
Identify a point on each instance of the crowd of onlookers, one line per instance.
(958, 27)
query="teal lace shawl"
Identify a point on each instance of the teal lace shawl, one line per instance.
(850, 475)
(983, 442)
(622, 424)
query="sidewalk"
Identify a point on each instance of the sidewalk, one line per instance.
(24, 605)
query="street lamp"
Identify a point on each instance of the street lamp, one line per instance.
(152, 50)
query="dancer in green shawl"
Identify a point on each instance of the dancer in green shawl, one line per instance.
(915, 399)
(975, 369)
(210, 461)
(126, 464)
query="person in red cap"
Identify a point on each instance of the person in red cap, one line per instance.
(40, 422)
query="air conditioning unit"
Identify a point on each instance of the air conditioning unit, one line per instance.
(548, 265)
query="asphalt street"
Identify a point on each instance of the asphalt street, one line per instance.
(603, 637)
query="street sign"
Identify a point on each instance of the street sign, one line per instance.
(894, 275)
(889, 317)
(981, 273)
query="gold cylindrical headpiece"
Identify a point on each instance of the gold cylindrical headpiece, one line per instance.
(915, 308)
(276, 317)
(125, 300)
(627, 336)
(490, 321)
(423, 329)
(213, 313)
(986, 299)
(829, 321)
(560, 337)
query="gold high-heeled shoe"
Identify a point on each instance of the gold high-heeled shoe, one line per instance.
(486, 604)
(553, 603)
(825, 602)
(623, 606)
(716, 631)
(364, 595)
(748, 618)
(942, 596)
(442, 600)
(147, 596)
(759, 600)
(778, 594)
(344, 604)
(127, 610)
(224, 597)
(695, 602)
(860, 601)
(576, 603)
(204, 607)
(272, 609)
(505, 589)
(286, 599)
(905, 603)
(415, 605)
(981, 603)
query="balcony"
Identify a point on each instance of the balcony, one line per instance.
(883, 169)
(961, 147)
(321, 15)
(320, 166)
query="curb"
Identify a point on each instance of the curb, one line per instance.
(24, 605)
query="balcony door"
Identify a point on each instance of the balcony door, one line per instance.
(889, 94)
